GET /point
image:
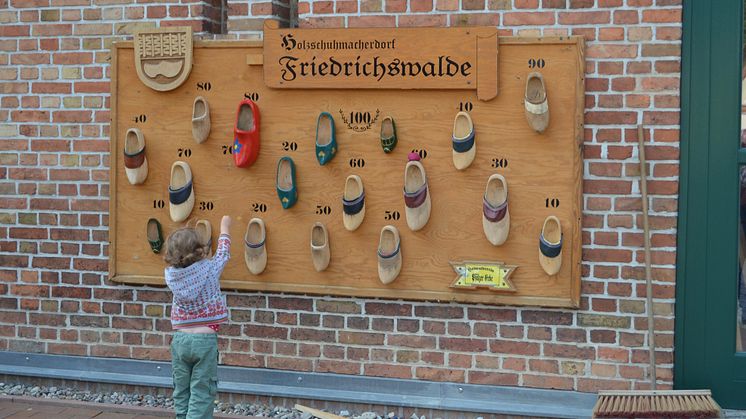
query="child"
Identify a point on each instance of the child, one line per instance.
(196, 313)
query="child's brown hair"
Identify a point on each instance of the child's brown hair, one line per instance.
(183, 248)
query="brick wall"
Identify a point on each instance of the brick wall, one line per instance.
(54, 125)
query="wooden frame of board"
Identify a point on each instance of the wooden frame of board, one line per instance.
(541, 169)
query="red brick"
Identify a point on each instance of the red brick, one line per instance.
(584, 18)
(13, 31)
(492, 378)
(514, 347)
(440, 374)
(662, 16)
(387, 370)
(396, 6)
(47, 29)
(29, 290)
(526, 4)
(626, 17)
(422, 20)
(420, 5)
(371, 21)
(346, 6)
(528, 18)
(550, 382)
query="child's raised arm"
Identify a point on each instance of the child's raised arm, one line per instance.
(223, 252)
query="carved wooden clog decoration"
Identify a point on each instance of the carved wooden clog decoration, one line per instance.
(163, 57)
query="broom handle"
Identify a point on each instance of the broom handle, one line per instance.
(648, 270)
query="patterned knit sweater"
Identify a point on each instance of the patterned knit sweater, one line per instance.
(196, 288)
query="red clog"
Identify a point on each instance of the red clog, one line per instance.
(246, 134)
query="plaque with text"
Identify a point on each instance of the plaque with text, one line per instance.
(382, 58)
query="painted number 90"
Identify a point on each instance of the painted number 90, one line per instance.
(536, 63)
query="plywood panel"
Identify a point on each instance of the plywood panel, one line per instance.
(540, 167)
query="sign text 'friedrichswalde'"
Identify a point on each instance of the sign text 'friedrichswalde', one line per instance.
(377, 67)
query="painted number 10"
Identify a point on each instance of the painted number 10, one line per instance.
(552, 203)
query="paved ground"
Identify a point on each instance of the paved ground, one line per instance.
(13, 407)
(29, 407)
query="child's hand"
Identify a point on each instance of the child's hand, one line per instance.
(225, 225)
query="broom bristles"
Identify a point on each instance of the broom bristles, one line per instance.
(655, 404)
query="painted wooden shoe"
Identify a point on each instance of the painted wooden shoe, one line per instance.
(286, 189)
(388, 134)
(255, 250)
(326, 138)
(246, 134)
(535, 103)
(389, 254)
(550, 246)
(416, 194)
(463, 144)
(154, 234)
(495, 215)
(180, 192)
(320, 253)
(204, 231)
(200, 120)
(353, 203)
(135, 163)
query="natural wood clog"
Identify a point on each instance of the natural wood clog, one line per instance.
(135, 162)
(389, 254)
(255, 246)
(463, 141)
(353, 203)
(550, 246)
(200, 119)
(180, 192)
(320, 253)
(495, 214)
(535, 103)
(416, 194)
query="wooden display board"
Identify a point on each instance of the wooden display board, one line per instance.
(543, 171)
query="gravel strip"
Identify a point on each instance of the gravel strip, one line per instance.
(147, 400)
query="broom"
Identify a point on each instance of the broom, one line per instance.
(653, 403)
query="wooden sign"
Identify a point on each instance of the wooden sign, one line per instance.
(543, 171)
(490, 275)
(402, 58)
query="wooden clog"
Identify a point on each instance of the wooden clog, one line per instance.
(180, 192)
(550, 246)
(326, 138)
(320, 252)
(495, 214)
(463, 141)
(389, 254)
(535, 103)
(135, 162)
(255, 242)
(353, 203)
(200, 119)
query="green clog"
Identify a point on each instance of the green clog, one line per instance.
(388, 134)
(326, 138)
(154, 235)
(286, 190)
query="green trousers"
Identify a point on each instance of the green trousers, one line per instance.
(194, 361)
